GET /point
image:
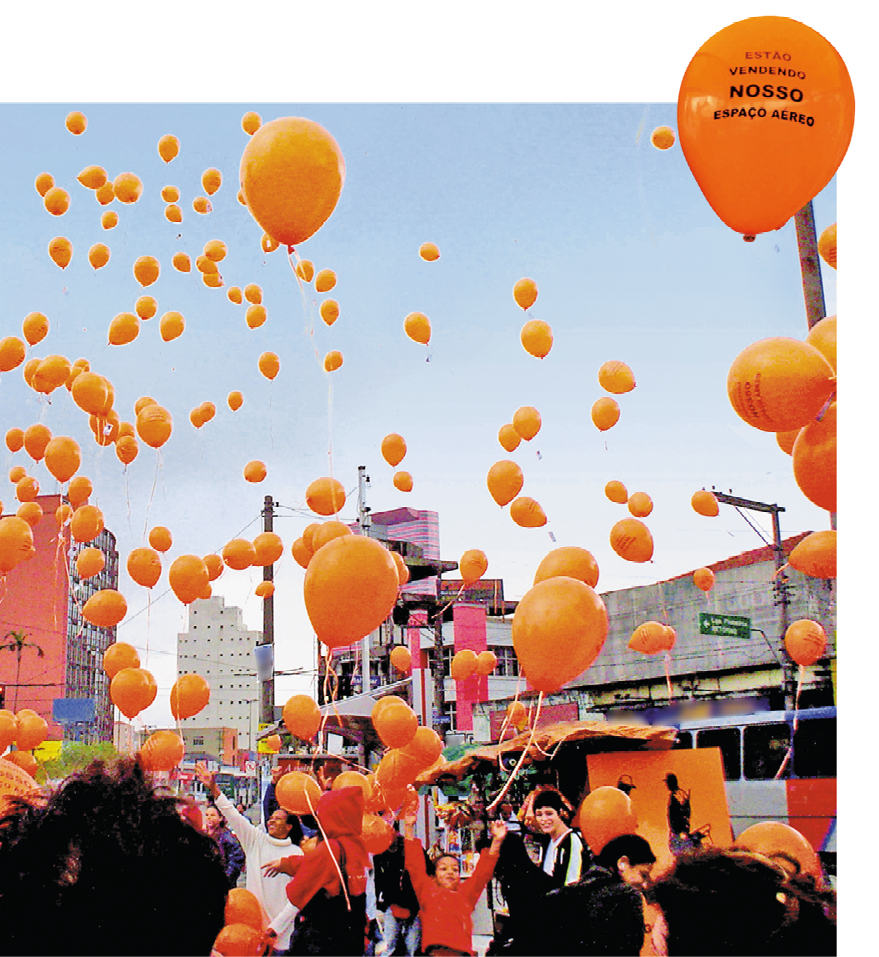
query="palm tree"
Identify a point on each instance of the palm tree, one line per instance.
(17, 641)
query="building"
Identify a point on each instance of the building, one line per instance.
(63, 658)
(220, 649)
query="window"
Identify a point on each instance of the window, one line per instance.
(765, 748)
(507, 662)
(815, 748)
(198, 742)
(729, 742)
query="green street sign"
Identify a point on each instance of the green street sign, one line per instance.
(724, 626)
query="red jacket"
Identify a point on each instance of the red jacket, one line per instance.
(447, 915)
(340, 814)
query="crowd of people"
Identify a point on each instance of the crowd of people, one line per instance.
(122, 866)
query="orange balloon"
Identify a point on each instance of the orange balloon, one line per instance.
(527, 422)
(86, 523)
(130, 691)
(396, 770)
(146, 270)
(174, 214)
(376, 833)
(805, 641)
(44, 182)
(735, 124)
(243, 907)
(350, 589)
(325, 280)
(605, 413)
(50, 373)
(169, 147)
(239, 554)
(127, 188)
(238, 940)
(326, 532)
(267, 548)
(214, 565)
(463, 665)
(616, 377)
(302, 716)
(536, 337)
(527, 513)
(325, 496)
(105, 608)
(253, 294)
(99, 255)
(202, 205)
(255, 471)
(154, 425)
(305, 270)
(14, 440)
(105, 194)
(509, 438)
(57, 201)
(640, 504)
(126, 449)
(27, 489)
(393, 449)
(606, 813)
(473, 565)
(250, 123)
(31, 731)
(663, 137)
(814, 460)
(36, 438)
(417, 326)
(17, 473)
(402, 568)
(61, 251)
(631, 539)
(63, 515)
(297, 792)
(25, 761)
(255, 316)
(62, 457)
(329, 311)
(401, 659)
(31, 512)
(301, 552)
(292, 172)
(559, 628)
(118, 656)
(827, 245)
(160, 538)
(525, 293)
(569, 561)
(144, 566)
(403, 481)
(35, 328)
(505, 481)
(171, 326)
(776, 840)
(211, 179)
(235, 401)
(429, 252)
(90, 392)
(384, 702)
(486, 662)
(188, 577)
(89, 562)
(265, 589)
(779, 384)
(269, 365)
(785, 440)
(12, 353)
(268, 244)
(8, 729)
(823, 337)
(124, 328)
(815, 555)
(703, 579)
(353, 779)
(162, 751)
(109, 219)
(705, 503)
(333, 360)
(650, 638)
(190, 694)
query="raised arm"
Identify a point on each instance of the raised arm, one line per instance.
(238, 823)
(476, 883)
(414, 856)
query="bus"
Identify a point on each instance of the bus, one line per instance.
(778, 766)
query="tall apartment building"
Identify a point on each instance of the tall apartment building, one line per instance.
(63, 656)
(220, 649)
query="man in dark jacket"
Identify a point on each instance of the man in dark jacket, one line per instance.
(396, 898)
(233, 853)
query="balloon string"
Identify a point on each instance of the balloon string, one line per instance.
(508, 716)
(667, 662)
(519, 764)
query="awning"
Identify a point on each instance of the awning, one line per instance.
(550, 741)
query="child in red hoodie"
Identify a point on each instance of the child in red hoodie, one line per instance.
(330, 917)
(445, 900)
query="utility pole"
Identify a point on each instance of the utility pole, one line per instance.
(810, 265)
(267, 698)
(780, 583)
(365, 522)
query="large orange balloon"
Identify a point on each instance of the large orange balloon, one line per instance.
(292, 172)
(267, 548)
(464, 663)
(527, 512)
(616, 377)
(757, 93)
(377, 834)
(326, 532)
(269, 365)
(130, 691)
(779, 384)
(12, 353)
(325, 496)
(162, 751)
(703, 579)
(558, 630)
(536, 337)
(486, 662)
(505, 481)
(417, 326)
(401, 658)
(705, 503)
(154, 425)
(527, 422)
(79, 490)
(816, 555)
(302, 716)
(569, 561)
(403, 481)
(473, 565)
(86, 523)
(393, 448)
(325, 280)
(350, 589)
(89, 562)
(805, 641)
(144, 566)
(188, 577)
(297, 792)
(509, 438)
(631, 539)
(823, 337)
(190, 694)
(814, 460)
(61, 251)
(31, 730)
(36, 438)
(605, 413)
(776, 840)
(606, 813)
(35, 328)
(239, 940)
(106, 608)
(243, 907)
(62, 457)
(118, 656)
(396, 725)
(160, 538)
(89, 391)
(640, 504)
(650, 638)
(239, 554)
(429, 252)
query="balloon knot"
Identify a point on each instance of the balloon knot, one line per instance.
(749, 239)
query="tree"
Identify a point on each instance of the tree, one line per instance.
(74, 756)
(17, 641)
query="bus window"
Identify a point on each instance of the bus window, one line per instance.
(729, 742)
(815, 748)
(765, 748)
(684, 740)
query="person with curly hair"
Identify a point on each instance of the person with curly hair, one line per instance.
(105, 865)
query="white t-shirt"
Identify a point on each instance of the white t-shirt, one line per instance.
(574, 862)
(260, 848)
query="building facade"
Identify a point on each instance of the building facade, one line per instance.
(219, 647)
(43, 598)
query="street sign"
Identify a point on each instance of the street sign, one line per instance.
(724, 626)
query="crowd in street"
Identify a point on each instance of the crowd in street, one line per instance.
(126, 867)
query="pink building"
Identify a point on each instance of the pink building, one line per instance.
(43, 598)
